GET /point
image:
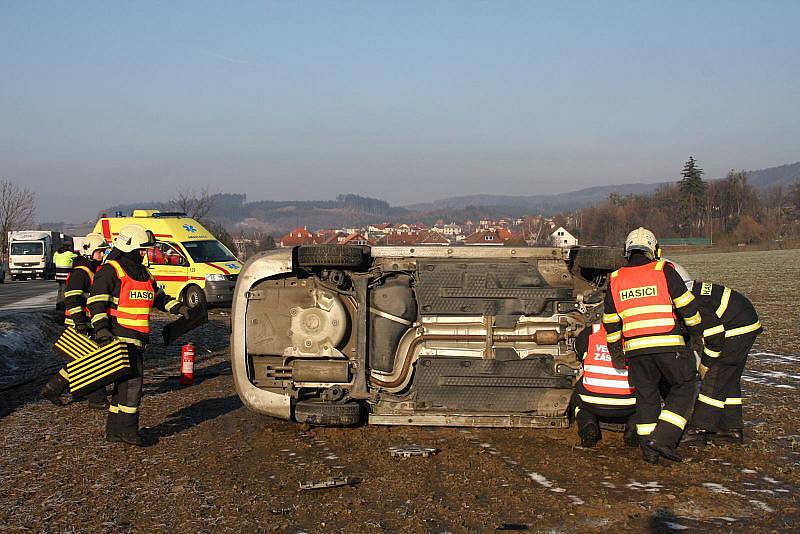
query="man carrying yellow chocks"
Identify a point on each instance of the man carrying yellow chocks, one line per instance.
(718, 410)
(122, 297)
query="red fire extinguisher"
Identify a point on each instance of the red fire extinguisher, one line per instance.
(187, 365)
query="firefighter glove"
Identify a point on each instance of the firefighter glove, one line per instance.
(103, 336)
(618, 361)
(184, 311)
(83, 329)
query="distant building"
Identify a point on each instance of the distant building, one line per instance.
(298, 236)
(484, 238)
(561, 238)
(431, 237)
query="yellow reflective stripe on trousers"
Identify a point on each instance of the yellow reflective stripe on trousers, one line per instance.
(611, 318)
(710, 401)
(610, 401)
(712, 331)
(672, 418)
(645, 429)
(99, 317)
(654, 341)
(647, 323)
(131, 341)
(683, 300)
(127, 409)
(641, 310)
(693, 320)
(723, 304)
(742, 330)
(64, 374)
(613, 337)
(733, 401)
(711, 353)
(113, 408)
(99, 298)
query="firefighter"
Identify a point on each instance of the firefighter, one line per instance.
(643, 303)
(718, 409)
(603, 392)
(63, 260)
(78, 284)
(123, 294)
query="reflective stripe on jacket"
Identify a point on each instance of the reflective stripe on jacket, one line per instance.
(136, 300)
(599, 374)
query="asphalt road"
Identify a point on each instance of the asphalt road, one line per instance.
(28, 294)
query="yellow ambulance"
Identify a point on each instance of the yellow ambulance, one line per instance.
(187, 261)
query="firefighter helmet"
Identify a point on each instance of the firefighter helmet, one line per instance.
(685, 276)
(92, 243)
(642, 240)
(132, 237)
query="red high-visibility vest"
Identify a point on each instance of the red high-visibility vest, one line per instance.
(136, 299)
(599, 374)
(641, 297)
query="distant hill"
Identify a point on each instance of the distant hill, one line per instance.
(279, 216)
(548, 204)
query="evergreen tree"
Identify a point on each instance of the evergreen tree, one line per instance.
(693, 191)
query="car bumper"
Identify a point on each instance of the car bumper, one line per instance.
(220, 292)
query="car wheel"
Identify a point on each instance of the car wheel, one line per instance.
(194, 296)
(319, 413)
(332, 256)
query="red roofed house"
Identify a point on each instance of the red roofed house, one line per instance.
(484, 238)
(432, 237)
(298, 236)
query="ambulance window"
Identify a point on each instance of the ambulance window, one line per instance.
(164, 254)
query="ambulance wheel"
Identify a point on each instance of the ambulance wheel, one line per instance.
(194, 296)
(332, 256)
(320, 413)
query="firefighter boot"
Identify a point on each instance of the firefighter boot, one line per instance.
(630, 438)
(733, 435)
(54, 388)
(649, 455)
(97, 399)
(662, 450)
(590, 435)
(129, 430)
(112, 428)
(695, 437)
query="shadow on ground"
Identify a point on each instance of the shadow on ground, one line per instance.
(196, 414)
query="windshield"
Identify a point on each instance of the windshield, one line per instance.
(27, 249)
(212, 250)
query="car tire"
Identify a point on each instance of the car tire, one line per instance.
(194, 296)
(319, 413)
(600, 258)
(332, 255)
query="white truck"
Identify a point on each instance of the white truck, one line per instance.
(30, 253)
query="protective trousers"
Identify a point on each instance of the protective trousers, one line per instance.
(719, 404)
(590, 413)
(645, 373)
(123, 413)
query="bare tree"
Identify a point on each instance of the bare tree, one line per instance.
(195, 204)
(17, 208)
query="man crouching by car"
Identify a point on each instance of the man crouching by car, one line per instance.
(602, 393)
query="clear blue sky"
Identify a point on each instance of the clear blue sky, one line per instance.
(406, 101)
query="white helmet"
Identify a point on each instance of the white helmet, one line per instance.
(132, 237)
(92, 243)
(643, 240)
(685, 276)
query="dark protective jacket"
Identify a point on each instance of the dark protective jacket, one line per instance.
(76, 292)
(105, 295)
(694, 318)
(735, 311)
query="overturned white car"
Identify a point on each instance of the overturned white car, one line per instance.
(461, 336)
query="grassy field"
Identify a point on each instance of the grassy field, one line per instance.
(770, 279)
